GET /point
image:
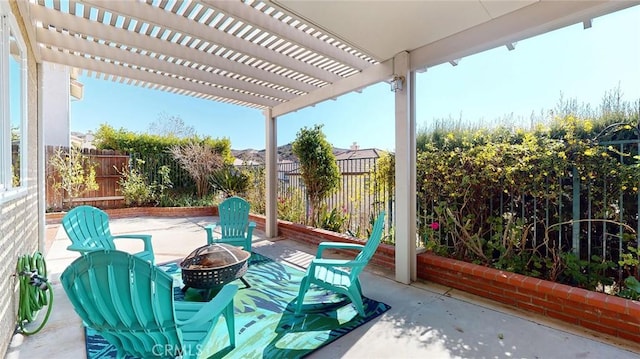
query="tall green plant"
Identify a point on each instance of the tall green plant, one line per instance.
(77, 173)
(134, 187)
(317, 165)
(385, 180)
(256, 193)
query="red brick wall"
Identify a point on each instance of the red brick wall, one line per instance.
(260, 221)
(162, 212)
(604, 313)
(385, 255)
(55, 218)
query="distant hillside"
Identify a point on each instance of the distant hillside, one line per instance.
(284, 153)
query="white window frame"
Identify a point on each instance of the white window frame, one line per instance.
(9, 25)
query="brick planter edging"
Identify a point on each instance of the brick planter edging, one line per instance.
(384, 256)
(56, 217)
(163, 212)
(604, 313)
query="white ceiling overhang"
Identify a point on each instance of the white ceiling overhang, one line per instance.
(284, 54)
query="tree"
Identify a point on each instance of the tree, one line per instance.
(199, 160)
(318, 166)
(385, 177)
(171, 126)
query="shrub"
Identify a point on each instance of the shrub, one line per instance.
(230, 180)
(291, 206)
(138, 191)
(507, 197)
(77, 174)
(333, 220)
(200, 160)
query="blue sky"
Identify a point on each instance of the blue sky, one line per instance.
(579, 64)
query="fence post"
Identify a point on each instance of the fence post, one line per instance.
(638, 206)
(575, 234)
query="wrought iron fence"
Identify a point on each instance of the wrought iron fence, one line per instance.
(356, 201)
(596, 218)
(150, 164)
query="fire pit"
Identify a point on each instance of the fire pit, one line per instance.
(214, 265)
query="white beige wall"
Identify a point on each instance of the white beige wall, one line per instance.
(55, 98)
(19, 217)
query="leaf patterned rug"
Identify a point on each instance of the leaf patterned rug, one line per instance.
(266, 326)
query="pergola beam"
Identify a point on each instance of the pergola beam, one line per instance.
(77, 44)
(524, 23)
(23, 8)
(238, 10)
(153, 15)
(372, 75)
(128, 38)
(152, 78)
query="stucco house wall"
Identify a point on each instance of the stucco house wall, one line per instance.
(55, 89)
(19, 216)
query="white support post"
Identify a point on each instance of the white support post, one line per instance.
(405, 187)
(271, 173)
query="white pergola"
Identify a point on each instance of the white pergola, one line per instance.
(280, 56)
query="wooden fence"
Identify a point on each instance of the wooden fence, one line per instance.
(108, 163)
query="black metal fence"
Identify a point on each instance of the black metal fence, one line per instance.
(354, 204)
(149, 165)
(594, 217)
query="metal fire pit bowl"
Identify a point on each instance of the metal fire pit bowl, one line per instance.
(213, 266)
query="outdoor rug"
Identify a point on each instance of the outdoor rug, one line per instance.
(266, 326)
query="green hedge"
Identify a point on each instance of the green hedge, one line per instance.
(507, 197)
(153, 151)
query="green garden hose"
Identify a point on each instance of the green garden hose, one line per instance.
(32, 273)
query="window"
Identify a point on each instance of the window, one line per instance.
(13, 109)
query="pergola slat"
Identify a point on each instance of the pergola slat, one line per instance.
(79, 45)
(302, 38)
(221, 95)
(154, 15)
(108, 33)
(238, 10)
(374, 74)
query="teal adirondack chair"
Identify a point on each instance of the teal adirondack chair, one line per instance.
(234, 224)
(339, 275)
(130, 302)
(88, 229)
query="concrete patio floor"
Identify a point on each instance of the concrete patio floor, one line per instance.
(425, 320)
